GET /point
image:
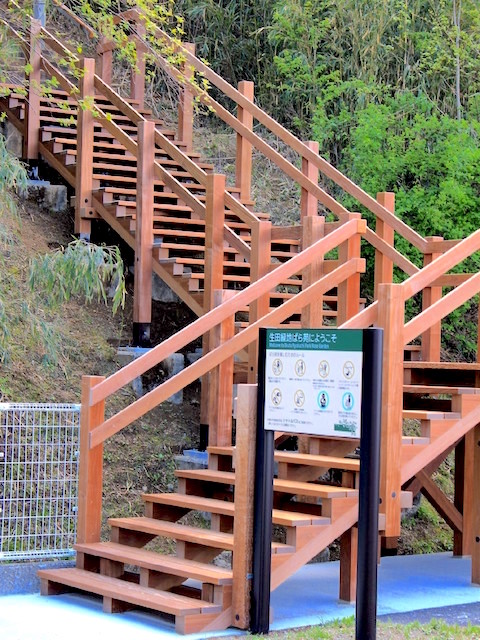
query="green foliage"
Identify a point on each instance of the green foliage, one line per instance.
(79, 269)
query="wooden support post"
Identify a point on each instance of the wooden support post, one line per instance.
(142, 293)
(464, 494)
(313, 228)
(431, 339)
(244, 487)
(391, 313)
(83, 170)
(220, 386)
(214, 257)
(308, 202)
(475, 481)
(104, 62)
(383, 265)
(32, 103)
(259, 266)
(90, 467)
(185, 104)
(348, 565)
(137, 77)
(243, 178)
(348, 304)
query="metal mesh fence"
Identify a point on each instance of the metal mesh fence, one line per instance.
(39, 446)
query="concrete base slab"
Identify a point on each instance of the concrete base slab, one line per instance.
(406, 583)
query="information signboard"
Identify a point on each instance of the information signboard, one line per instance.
(313, 381)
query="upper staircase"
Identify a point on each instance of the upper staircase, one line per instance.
(238, 272)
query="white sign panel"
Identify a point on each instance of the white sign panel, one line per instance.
(313, 381)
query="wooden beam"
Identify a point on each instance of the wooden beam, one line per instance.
(185, 103)
(440, 502)
(431, 339)
(32, 102)
(348, 303)
(308, 202)
(259, 266)
(476, 507)
(348, 564)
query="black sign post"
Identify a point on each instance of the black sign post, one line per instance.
(320, 382)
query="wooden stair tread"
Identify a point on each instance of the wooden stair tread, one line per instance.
(223, 507)
(291, 457)
(438, 389)
(132, 593)
(418, 414)
(309, 489)
(454, 366)
(196, 535)
(209, 475)
(158, 562)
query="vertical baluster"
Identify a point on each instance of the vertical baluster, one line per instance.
(431, 339)
(32, 102)
(308, 202)
(260, 263)
(185, 104)
(383, 265)
(348, 294)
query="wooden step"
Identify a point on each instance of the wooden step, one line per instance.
(223, 507)
(157, 562)
(418, 414)
(164, 601)
(194, 535)
(433, 390)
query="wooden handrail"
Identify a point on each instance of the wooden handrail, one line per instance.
(442, 308)
(212, 359)
(197, 328)
(91, 32)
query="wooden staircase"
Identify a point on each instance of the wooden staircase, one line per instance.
(238, 273)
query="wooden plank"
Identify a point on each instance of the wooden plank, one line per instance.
(313, 228)
(243, 523)
(440, 502)
(475, 517)
(435, 390)
(348, 565)
(330, 462)
(454, 366)
(311, 489)
(349, 290)
(83, 169)
(185, 103)
(90, 471)
(124, 591)
(243, 164)
(158, 562)
(32, 112)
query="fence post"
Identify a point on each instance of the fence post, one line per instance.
(431, 339)
(244, 489)
(391, 313)
(383, 265)
(348, 292)
(185, 103)
(243, 165)
(83, 171)
(308, 202)
(260, 263)
(90, 474)
(214, 256)
(476, 508)
(142, 293)
(32, 102)
(220, 384)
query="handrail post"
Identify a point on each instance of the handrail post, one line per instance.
(348, 292)
(243, 165)
(260, 263)
(185, 103)
(90, 467)
(32, 102)
(313, 228)
(83, 172)
(142, 295)
(431, 339)
(104, 61)
(245, 442)
(220, 386)
(391, 313)
(214, 257)
(308, 202)
(137, 73)
(383, 265)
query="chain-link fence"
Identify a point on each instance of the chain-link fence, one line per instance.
(39, 445)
